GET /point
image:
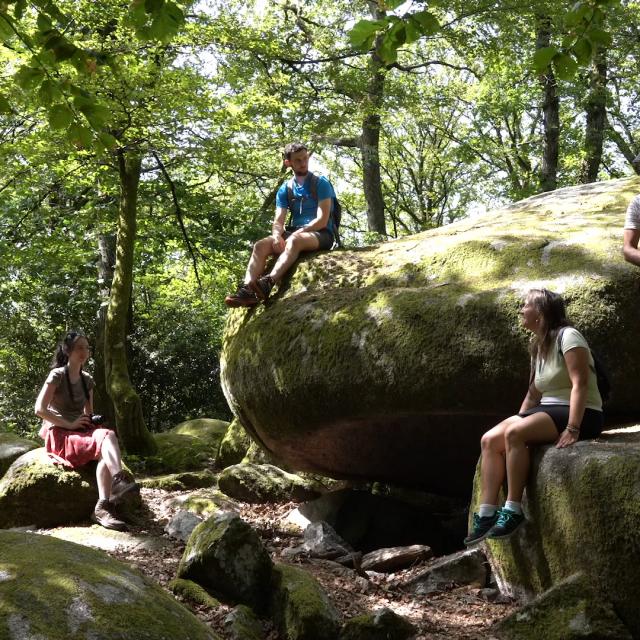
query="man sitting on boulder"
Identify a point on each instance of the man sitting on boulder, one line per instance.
(632, 227)
(311, 201)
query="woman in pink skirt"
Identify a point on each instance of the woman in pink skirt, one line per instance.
(65, 405)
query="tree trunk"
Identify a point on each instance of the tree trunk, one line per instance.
(101, 401)
(132, 431)
(370, 138)
(596, 110)
(551, 112)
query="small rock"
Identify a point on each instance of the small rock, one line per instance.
(462, 568)
(383, 624)
(321, 541)
(181, 526)
(393, 558)
(243, 624)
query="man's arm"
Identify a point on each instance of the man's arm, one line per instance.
(322, 218)
(630, 246)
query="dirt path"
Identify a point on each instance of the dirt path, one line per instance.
(457, 614)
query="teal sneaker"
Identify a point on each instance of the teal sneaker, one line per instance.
(507, 524)
(481, 527)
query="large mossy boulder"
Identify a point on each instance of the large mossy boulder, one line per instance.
(11, 448)
(35, 492)
(583, 517)
(56, 590)
(207, 429)
(389, 362)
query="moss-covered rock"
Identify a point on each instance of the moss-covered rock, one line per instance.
(56, 590)
(257, 455)
(205, 502)
(583, 516)
(380, 625)
(11, 448)
(225, 555)
(389, 362)
(178, 452)
(243, 624)
(180, 481)
(193, 592)
(570, 610)
(207, 429)
(300, 608)
(36, 492)
(234, 445)
(257, 483)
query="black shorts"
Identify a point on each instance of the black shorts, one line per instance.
(324, 236)
(591, 426)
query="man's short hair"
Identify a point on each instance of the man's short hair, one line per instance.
(293, 147)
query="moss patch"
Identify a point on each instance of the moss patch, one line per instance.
(257, 483)
(180, 481)
(234, 445)
(192, 592)
(178, 452)
(81, 593)
(300, 608)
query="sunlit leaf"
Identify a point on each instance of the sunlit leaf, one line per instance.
(29, 77)
(427, 21)
(60, 116)
(80, 136)
(583, 51)
(5, 107)
(364, 31)
(600, 37)
(542, 57)
(565, 66)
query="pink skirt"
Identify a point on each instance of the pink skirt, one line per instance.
(74, 448)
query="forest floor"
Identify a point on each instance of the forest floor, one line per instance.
(459, 613)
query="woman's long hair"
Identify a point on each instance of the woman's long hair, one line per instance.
(553, 314)
(64, 348)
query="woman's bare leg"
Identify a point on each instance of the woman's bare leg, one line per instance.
(493, 469)
(538, 428)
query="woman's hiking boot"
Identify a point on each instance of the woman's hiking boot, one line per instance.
(103, 516)
(481, 527)
(262, 287)
(243, 297)
(507, 524)
(122, 484)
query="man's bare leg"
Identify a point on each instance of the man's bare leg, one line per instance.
(294, 246)
(258, 261)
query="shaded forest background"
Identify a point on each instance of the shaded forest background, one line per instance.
(164, 123)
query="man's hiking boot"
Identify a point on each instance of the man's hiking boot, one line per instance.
(262, 287)
(122, 484)
(243, 297)
(481, 527)
(507, 524)
(103, 516)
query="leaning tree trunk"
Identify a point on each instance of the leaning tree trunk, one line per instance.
(551, 112)
(596, 110)
(129, 419)
(370, 138)
(107, 258)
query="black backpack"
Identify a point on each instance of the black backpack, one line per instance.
(602, 377)
(336, 214)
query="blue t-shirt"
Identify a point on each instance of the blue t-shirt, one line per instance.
(305, 208)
